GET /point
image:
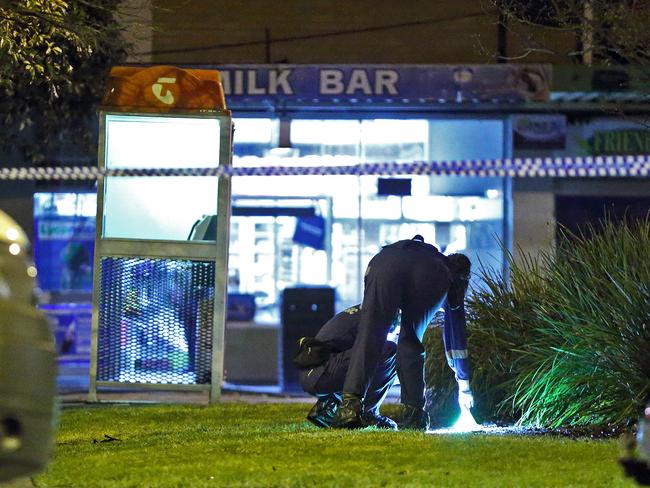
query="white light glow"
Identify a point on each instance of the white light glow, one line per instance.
(153, 207)
(429, 208)
(466, 422)
(328, 132)
(391, 131)
(161, 142)
(32, 272)
(157, 208)
(458, 241)
(486, 429)
(382, 208)
(463, 425)
(67, 204)
(477, 208)
(14, 249)
(12, 233)
(284, 152)
(253, 131)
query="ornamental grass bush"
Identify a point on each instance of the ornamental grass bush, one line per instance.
(565, 341)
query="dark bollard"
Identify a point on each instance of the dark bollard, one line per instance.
(27, 362)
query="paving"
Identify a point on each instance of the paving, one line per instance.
(73, 385)
(80, 399)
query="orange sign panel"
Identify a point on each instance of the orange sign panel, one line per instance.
(164, 88)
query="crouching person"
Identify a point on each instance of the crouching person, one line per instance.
(323, 362)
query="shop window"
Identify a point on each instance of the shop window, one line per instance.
(325, 137)
(64, 239)
(254, 136)
(394, 140)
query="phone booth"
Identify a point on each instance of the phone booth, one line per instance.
(159, 288)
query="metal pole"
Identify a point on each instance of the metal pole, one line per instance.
(221, 264)
(507, 188)
(328, 237)
(276, 258)
(360, 287)
(99, 228)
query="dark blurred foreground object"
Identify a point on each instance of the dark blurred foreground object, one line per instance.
(637, 457)
(27, 362)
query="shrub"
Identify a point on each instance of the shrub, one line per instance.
(566, 341)
(500, 316)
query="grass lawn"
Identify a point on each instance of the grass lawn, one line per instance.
(270, 445)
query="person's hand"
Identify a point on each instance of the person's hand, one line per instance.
(465, 397)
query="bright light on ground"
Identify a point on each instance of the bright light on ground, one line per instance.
(466, 422)
(491, 429)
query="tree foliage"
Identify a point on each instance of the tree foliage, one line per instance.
(54, 57)
(609, 31)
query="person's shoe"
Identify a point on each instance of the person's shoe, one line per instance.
(372, 418)
(414, 418)
(348, 415)
(322, 413)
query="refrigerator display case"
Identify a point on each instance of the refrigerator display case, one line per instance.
(277, 242)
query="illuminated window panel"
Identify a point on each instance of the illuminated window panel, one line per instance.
(161, 142)
(430, 208)
(477, 208)
(465, 139)
(162, 208)
(254, 131)
(65, 204)
(254, 137)
(325, 132)
(394, 140)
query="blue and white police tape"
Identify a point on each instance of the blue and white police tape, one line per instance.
(598, 166)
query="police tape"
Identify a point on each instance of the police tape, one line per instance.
(598, 166)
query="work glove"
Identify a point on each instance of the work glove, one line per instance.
(465, 397)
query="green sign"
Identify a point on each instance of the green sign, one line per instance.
(626, 141)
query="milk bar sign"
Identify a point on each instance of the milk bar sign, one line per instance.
(434, 83)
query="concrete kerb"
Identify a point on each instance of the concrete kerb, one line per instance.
(80, 400)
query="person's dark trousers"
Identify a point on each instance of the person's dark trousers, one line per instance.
(328, 379)
(414, 281)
